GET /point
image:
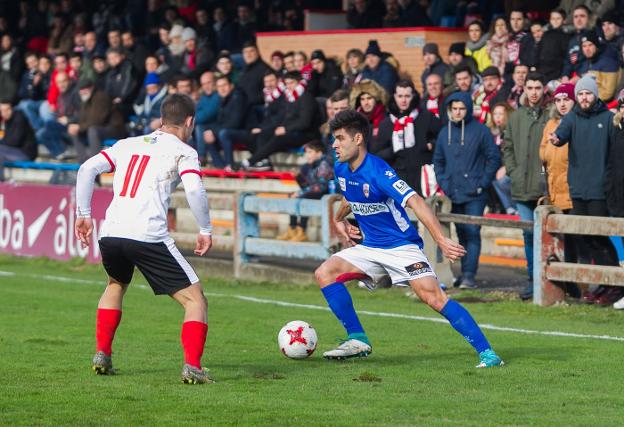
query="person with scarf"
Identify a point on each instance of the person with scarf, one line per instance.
(370, 99)
(497, 45)
(300, 124)
(485, 93)
(465, 160)
(512, 90)
(476, 46)
(407, 135)
(434, 98)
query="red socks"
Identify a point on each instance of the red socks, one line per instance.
(105, 326)
(193, 339)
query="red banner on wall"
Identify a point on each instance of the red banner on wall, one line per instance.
(38, 220)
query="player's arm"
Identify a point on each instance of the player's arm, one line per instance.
(198, 202)
(452, 250)
(346, 231)
(100, 163)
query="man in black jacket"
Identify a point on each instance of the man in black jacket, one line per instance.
(554, 47)
(326, 76)
(407, 135)
(300, 124)
(275, 108)
(231, 117)
(121, 82)
(589, 130)
(251, 81)
(17, 139)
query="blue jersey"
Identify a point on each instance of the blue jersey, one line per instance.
(377, 197)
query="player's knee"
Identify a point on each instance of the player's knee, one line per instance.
(435, 300)
(323, 275)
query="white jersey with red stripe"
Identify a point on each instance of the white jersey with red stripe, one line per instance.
(147, 169)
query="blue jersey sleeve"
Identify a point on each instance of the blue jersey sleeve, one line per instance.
(388, 181)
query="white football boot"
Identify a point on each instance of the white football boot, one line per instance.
(348, 349)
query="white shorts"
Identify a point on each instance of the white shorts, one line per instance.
(402, 264)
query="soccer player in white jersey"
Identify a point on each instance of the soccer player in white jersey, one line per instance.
(134, 234)
(390, 246)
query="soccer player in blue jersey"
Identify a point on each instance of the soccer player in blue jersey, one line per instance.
(390, 246)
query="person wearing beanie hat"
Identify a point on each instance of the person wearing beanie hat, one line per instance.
(602, 63)
(97, 121)
(326, 75)
(457, 59)
(147, 107)
(433, 62)
(377, 68)
(588, 131)
(482, 98)
(612, 28)
(193, 59)
(277, 61)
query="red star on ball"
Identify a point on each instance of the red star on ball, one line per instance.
(295, 336)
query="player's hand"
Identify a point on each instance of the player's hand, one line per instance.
(203, 244)
(452, 250)
(346, 233)
(83, 230)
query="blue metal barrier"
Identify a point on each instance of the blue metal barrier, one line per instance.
(249, 243)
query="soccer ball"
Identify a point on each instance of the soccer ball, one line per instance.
(297, 339)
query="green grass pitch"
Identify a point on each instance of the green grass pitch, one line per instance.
(420, 372)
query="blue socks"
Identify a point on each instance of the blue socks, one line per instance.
(341, 304)
(462, 321)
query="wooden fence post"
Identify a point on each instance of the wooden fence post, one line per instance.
(440, 264)
(547, 247)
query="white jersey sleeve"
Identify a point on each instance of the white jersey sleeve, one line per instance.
(188, 169)
(100, 163)
(147, 170)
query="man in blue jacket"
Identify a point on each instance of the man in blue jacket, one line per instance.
(465, 161)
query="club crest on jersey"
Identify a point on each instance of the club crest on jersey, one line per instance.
(418, 268)
(366, 190)
(390, 174)
(343, 183)
(149, 140)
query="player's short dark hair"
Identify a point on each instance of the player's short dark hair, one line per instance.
(585, 8)
(220, 76)
(535, 76)
(339, 95)
(176, 108)
(315, 145)
(479, 23)
(352, 122)
(463, 69)
(561, 12)
(292, 75)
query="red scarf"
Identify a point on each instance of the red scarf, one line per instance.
(485, 105)
(375, 117)
(433, 105)
(403, 131)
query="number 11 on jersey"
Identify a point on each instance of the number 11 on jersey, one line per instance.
(137, 177)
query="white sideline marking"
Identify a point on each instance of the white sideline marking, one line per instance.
(323, 308)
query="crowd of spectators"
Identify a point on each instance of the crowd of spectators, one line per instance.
(493, 122)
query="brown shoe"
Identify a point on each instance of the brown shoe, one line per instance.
(299, 235)
(287, 235)
(612, 294)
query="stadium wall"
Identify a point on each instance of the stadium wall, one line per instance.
(405, 44)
